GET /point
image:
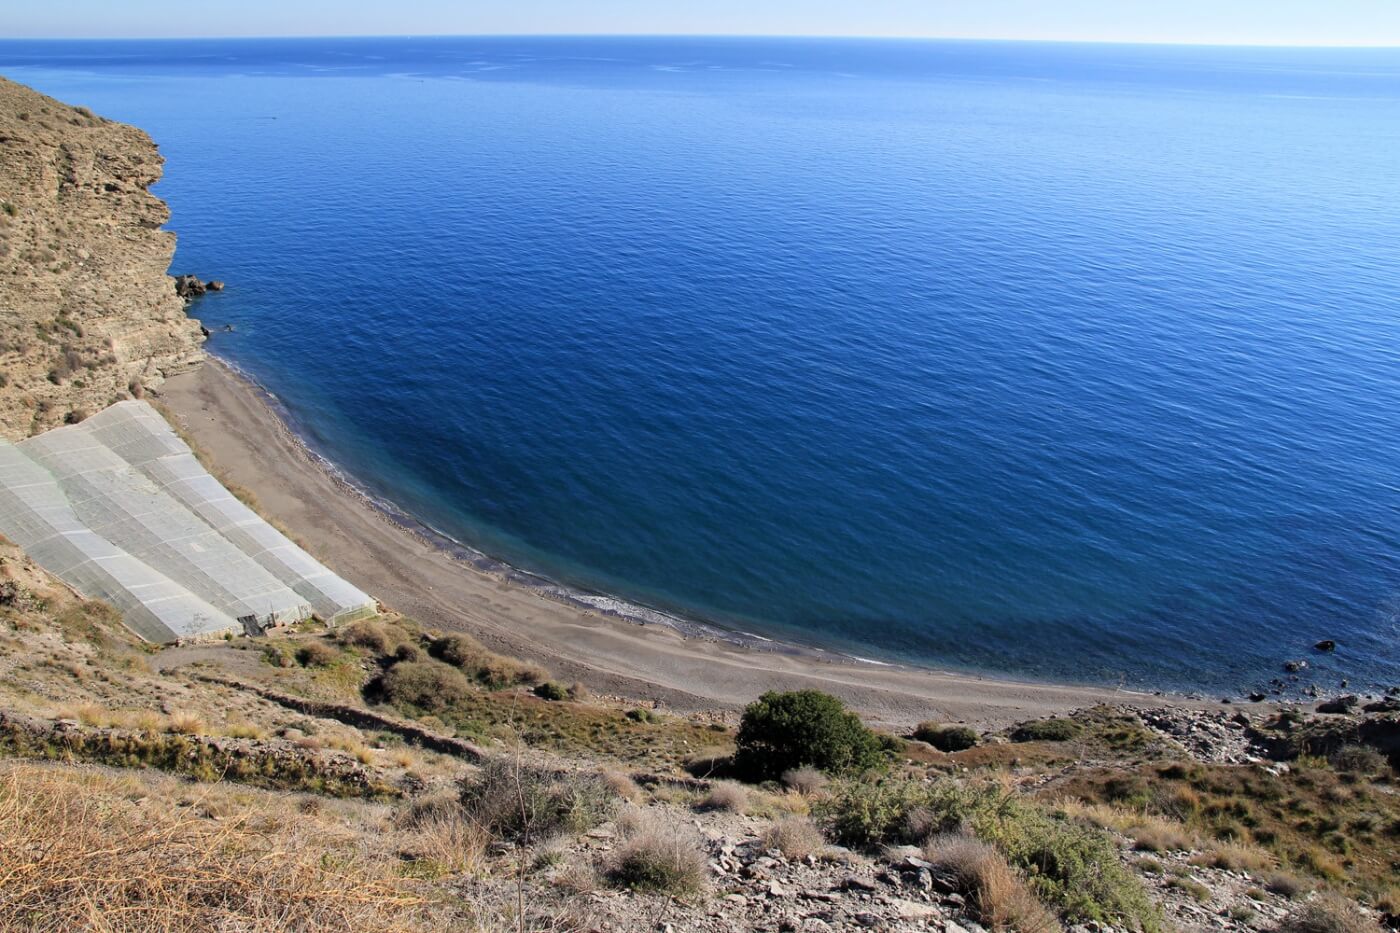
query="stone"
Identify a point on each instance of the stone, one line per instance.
(856, 883)
(215, 286)
(1339, 705)
(189, 287)
(1326, 644)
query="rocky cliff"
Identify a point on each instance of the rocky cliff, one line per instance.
(88, 314)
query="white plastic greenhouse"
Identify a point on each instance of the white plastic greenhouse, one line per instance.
(119, 508)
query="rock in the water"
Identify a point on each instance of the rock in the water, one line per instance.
(1326, 644)
(214, 286)
(1294, 666)
(189, 287)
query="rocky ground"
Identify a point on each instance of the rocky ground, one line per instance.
(88, 314)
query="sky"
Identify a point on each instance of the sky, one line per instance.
(1245, 22)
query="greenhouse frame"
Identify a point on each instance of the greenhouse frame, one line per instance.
(119, 508)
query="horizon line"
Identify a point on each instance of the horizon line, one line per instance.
(703, 35)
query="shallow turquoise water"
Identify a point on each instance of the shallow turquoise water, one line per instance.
(1064, 361)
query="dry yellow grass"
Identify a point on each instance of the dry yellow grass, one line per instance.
(795, 836)
(1149, 833)
(726, 795)
(621, 784)
(80, 854)
(186, 724)
(998, 894)
(1234, 856)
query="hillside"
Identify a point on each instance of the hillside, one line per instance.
(88, 314)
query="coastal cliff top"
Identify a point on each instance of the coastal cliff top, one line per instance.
(88, 315)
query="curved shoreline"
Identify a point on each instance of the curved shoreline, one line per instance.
(679, 663)
(577, 597)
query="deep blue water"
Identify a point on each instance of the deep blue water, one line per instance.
(1063, 361)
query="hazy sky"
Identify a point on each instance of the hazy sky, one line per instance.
(1283, 22)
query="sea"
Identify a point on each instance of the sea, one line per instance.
(1070, 362)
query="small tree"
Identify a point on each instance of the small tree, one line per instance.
(782, 731)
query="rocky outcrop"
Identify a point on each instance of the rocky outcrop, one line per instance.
(88, 314)
(189, 287)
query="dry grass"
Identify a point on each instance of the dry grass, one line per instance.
(997, 894)
(1234, 856)
(1327, 913)
(729, 796)
(187, 724)
(797, 837)
(620, 784)
(446, 843)
(659, 857)
(1149, 833)
(81, 855)
(806, 781)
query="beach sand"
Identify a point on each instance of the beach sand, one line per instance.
(252, 446)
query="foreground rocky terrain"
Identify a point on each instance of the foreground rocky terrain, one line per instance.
(88, 314)
(404, 779)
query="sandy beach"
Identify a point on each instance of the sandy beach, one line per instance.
(253, 447)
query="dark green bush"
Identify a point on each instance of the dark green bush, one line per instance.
(426, 685)
(782, 731)
(946, 738)
(1046, 730)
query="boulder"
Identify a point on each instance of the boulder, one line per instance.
(1326, 644)
(188, 287)
(1339, 705)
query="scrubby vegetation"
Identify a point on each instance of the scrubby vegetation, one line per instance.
(516, 801)
(659, 856)
(1074, 867)
(999, 896)
(946, 738)
(1047, 730)
(806, 728)
(425, 685)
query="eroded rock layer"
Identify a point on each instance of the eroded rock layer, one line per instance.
(88, 314)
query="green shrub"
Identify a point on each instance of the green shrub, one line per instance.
(549, 690)
(1073, 867)
(426, 685)
(1046, 730)
(865, 814)
(521, 802)
(946, 738)
(782, 731)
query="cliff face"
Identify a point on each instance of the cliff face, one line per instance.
(88, 315)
